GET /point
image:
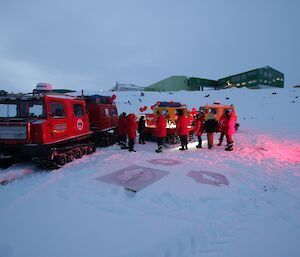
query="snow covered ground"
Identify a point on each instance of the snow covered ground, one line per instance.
(244, 203)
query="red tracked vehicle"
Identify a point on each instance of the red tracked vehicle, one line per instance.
(49, 128)
(103, 116)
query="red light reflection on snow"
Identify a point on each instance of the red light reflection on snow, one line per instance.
(269, 151)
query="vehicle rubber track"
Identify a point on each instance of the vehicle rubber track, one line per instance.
(59, 156)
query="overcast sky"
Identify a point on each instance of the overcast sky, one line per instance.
(92, 44)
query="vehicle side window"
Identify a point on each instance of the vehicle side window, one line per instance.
(37, 110)
(8, 110)
(58, 110)
(113, 112)
(165, 112)
(106, 112)
(78, 110)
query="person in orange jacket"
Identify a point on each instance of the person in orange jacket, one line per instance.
(199, 128)
(161, 131)
(131, 131)
(182, 129)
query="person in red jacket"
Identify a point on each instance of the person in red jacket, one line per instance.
(223, 125)
(122, 132)
(131, 131)
(199, 128)
(230, 131)
(182, 129)
(161, 131)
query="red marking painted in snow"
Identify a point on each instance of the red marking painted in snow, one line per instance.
(166, 162)
(208, 177)
(134, 177)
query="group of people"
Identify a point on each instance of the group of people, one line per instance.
(127, 127)
(226, 125)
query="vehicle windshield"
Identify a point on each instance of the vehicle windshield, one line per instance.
(22, 109)
(212, 110)
(180, 110)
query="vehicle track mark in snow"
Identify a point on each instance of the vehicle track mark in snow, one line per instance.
(165, 162)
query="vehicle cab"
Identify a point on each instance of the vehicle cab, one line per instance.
(41, 118)
(218, 110)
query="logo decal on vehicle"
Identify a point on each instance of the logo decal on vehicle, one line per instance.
(79, 124)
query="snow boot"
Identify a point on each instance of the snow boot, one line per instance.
(220, 139)
(159, 150)
(229, 147)
(123, 145)
(199, 144)
(182, 148)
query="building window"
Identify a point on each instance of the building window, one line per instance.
(270, 75)
(244, 76)
(266, 74)
(252, 73)
(235, 79)
(265, 81)
(244, 83)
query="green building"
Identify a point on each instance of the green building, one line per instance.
(196, 84)
(176, 83)
(258, 78)
(173, 83)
